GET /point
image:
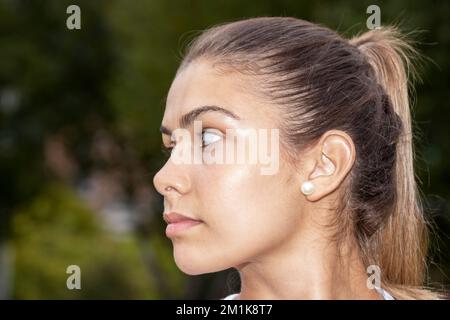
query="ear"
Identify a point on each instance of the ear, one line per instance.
(331, 159)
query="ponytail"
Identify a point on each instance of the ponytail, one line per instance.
(401, 243)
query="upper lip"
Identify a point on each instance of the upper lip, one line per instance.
(173, 217)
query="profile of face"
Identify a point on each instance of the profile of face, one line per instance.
(244, 214)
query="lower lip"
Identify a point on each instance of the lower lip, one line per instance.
(176, 228)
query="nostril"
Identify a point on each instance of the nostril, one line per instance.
(159, 186)
(170, 180)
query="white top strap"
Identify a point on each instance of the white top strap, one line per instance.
(381, 291)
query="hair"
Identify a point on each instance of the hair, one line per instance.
(322, 81)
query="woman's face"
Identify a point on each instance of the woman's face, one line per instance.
(245, 214)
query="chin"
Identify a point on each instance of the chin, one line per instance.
(193, 265)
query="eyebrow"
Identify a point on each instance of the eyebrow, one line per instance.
(187, 119)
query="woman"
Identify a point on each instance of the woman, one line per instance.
(338, 217)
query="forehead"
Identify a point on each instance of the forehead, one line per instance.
(200, 84)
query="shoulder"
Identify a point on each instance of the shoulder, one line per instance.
(384, 294)
(231, 297)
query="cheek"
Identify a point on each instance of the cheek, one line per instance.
(245, 214)
(243, 207)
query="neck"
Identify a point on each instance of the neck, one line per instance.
(306, 267)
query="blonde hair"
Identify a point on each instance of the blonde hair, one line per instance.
(401, 245)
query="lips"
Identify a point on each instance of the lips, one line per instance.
(178, 223)
(173, 217)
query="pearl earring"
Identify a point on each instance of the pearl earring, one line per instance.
(307, 188)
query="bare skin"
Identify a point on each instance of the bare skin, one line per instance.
(262, 225)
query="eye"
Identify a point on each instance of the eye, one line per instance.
(209, 136)
(166, 150)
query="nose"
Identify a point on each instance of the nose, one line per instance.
(172, 178)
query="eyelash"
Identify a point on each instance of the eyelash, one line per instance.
(168, 150)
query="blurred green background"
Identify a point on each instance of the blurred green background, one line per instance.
(79, 137)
